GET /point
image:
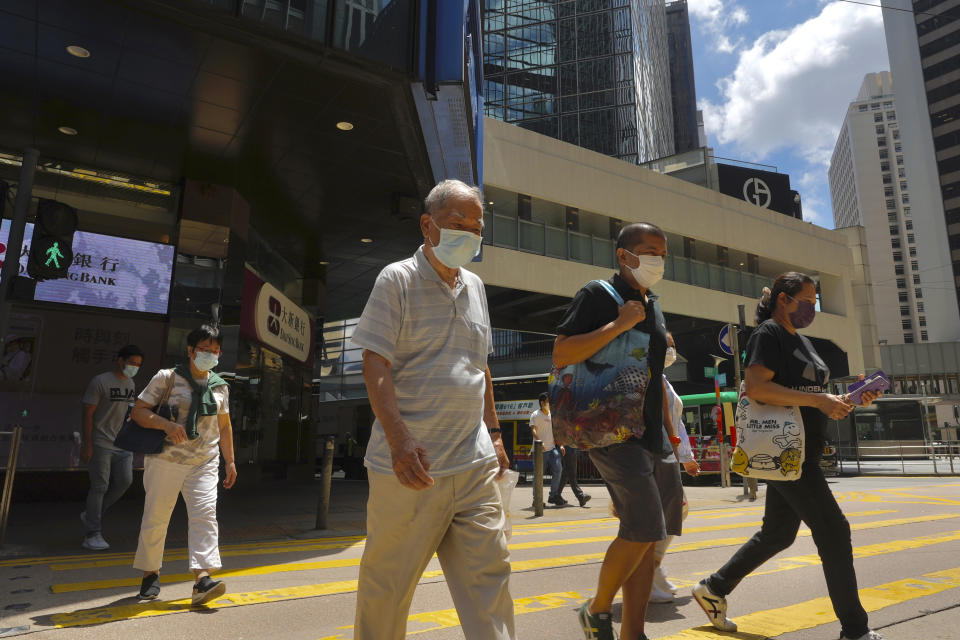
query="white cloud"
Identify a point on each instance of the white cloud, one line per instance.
(715, 18)
(790, 88)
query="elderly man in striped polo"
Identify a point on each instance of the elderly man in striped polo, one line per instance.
(435, 449)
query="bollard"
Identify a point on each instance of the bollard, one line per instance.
(752, 482)
(538, 478)
(7, 496)
(326, 475)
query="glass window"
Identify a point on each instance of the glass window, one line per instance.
(920, 307)
(910, 237)
(895, 243)
(916, 278)
(896, 134)
(906, 324)
(923, 336)
(875, 106)
(898, 256)
(891, 204)
(903, 185)
(373, 29)
(901, 283)
(878, 117)
(880, 128)
(909, 224)
(888, 191)
(863, 107)
(923, 321)
(905, 197)
(918, 293)
(901, 172)
(906, 211)
(899, 159)
(914, 266)
(894, 230)
(881, 142)
(891, 115)
(913, 251)
(904, 310)
(892, 216)
(903, 296)
(898, 269)
(898, 147)
(888, 104)
(884, 154)
(884, 166)
(908, 338)
(887, 178)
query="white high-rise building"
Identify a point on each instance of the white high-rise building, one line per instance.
(870, 187)
(924, 50)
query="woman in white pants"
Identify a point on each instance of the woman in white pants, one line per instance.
(189, 463)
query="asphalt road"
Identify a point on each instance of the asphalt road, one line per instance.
(906, 535)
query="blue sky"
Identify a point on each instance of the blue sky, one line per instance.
(774, 78)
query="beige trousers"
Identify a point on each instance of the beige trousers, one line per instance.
(461, 519)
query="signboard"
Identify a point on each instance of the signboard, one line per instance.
(516, 409)
(107, 272)
(275, 321)
(765, 189)
(724, 340)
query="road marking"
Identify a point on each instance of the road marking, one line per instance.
(107, 614)
(753, 626)
(114, 583)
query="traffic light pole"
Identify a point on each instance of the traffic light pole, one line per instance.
(18, 224)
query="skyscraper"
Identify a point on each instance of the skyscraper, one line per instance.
(594, 74)
(870, 187)
(923, 42)
(686, 132)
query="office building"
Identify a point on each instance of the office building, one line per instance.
(870, 187)
(923, 43)
(594, 74)
(254, 163)
(687, 120)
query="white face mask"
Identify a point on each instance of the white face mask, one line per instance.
(456, 247)
(130, 370)
(649, 271)
(670, 358)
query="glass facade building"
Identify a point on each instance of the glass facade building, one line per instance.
(594, 73)
(683, 90)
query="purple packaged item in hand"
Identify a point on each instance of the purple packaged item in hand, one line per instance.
(876, 381)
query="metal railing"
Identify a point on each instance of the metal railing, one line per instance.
(910, 457)
(9, 472)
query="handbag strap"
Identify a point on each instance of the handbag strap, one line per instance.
(166, 394)
(613, 292)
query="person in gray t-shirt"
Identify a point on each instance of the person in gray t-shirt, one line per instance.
(105, 405)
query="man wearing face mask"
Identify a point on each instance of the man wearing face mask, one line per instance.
(435, 450)
(593, 320)
(104, 407)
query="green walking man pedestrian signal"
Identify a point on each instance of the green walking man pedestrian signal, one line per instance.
(54, 256)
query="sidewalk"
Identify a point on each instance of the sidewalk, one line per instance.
(276, 510)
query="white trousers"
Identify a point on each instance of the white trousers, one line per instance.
(461, 519)
(163, 481)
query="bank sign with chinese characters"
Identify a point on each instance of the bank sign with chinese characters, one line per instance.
(275, 321)
(108, 272)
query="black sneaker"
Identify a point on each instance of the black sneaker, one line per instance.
(596, 626)
(150, 587)
(584, 498)
(557, 500)
(208, 589)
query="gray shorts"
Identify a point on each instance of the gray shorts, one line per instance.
(667, 476)
(628, 470)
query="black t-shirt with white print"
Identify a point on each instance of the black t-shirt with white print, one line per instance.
(796, 365)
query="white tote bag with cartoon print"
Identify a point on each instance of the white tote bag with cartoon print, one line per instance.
(770, 440)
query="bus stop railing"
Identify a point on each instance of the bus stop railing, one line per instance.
(938, 457)
(9, 472)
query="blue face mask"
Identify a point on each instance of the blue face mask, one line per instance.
(204, 360)
(130, 370)
(456, 247)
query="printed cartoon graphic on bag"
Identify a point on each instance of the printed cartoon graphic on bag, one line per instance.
(599, 402)
(770, 440)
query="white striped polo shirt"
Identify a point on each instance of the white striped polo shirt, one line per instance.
(437, 341)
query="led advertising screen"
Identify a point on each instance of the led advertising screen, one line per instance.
(107, 272)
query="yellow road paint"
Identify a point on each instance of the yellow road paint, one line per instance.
(114, 583)
(106, 614)
(819, 611)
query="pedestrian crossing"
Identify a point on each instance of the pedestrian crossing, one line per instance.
(92, 589)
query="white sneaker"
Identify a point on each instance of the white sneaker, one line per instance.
(714, 606)
(659, 596)
(661, 581)
(869, 635)
(95, 542)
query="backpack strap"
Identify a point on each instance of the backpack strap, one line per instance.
(613, 292)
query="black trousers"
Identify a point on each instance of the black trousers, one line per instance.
(788, 503)
(570, 472)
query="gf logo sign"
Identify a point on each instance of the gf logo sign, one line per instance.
(757, 192)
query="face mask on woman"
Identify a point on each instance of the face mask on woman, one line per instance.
(670, 358)
(804, 315)
(204, 360)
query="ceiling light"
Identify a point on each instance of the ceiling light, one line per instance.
(345, 126)
(366, 240)
(491, 202)
(67, 131)
(741, 264)
(324, 262)
(77, 51)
